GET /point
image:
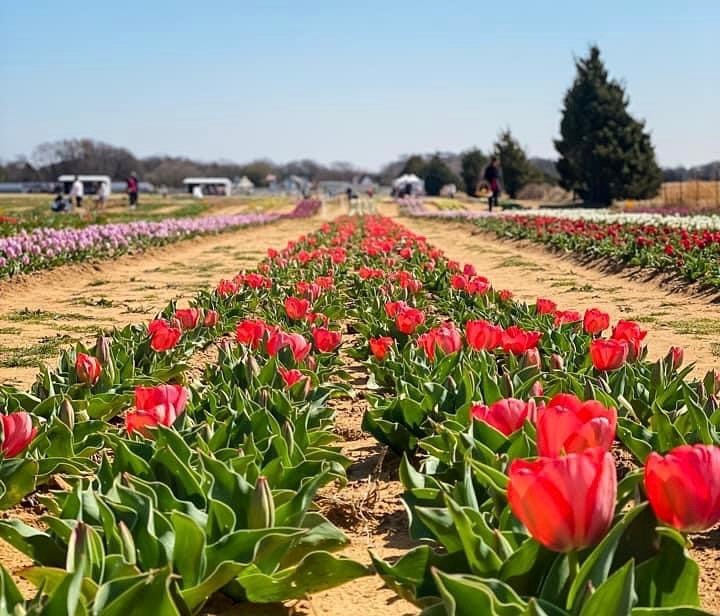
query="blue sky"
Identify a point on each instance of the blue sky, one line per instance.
(363, 82)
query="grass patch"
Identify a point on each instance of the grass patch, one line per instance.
(516, 261)
(98, 283)
(564, 282)
(696, 327)
(26, 357)
(643, 318)
(10, 330)
(585, 288)
(42, 316)
(100, 302)
(715, 348)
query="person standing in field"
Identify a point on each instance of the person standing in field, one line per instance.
(77, 192)
(492, 177)
(101, 195)
(132, 190)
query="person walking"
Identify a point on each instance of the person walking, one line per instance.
(77, 191)
(132, 190)
(492, 177)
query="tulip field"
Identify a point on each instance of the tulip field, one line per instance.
(684, 247)
(548, 466)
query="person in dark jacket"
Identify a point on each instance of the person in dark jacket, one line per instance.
(132, 190)
(492, 177)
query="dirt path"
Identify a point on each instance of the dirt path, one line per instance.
(531, 272)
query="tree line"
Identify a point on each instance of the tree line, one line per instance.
(604, 154)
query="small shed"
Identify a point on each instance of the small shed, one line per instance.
(209, 186)
(90, 183)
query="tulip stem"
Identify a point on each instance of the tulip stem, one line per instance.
(573, 565)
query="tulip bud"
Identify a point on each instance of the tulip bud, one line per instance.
(536, 390)
(675, 356)
(67, 413)
(531, 357)
(211, 318)
(712, 382)
(175, 323)
(506, 383)
(253, 365)
(557, 362)
(261, 512)
(102, 349)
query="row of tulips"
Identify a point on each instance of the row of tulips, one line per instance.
(46, 247)
(508, 421)
(511, 425)
(689, 253)
(205, 482)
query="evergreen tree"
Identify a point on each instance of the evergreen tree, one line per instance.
(473, 164)
(516, 169)
(415, 165)
(437, 175)
(605, 153)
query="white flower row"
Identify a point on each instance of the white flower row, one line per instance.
(609, 216)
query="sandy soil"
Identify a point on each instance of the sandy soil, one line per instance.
(368, 509)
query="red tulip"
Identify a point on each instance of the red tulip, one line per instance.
(445, 337)
(87, 368)
(482, 335)
(163, 335)
(563, 317)
(595, 321)
(392, 308)
(458, 282)
(290, 376)
(379, 347)
(326, 340)
(469, 269)
(227, 287)
(296, 308)
(505, 295)
(516, 340)
(565, 503)
(17, 433)
(188, 317)
(408, 319)
(632, 334)
(608, 354)
(158, 405)
(683, 486)
(211, 318)
(545, 306)
(250, 332)
(569, 425)
(298, 345)
(675, 356)
(478, 285)
(506, 415)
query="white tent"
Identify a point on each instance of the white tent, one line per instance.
(417, 186)
(245, 185)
